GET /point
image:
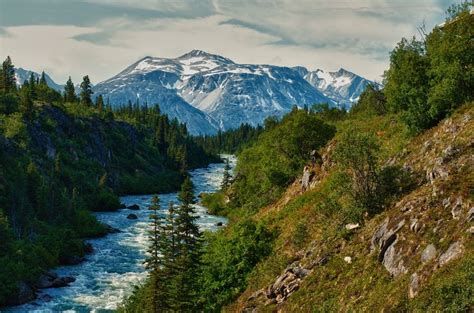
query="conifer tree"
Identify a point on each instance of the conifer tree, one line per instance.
(155, 262)
(100, 103)
(69, 91)
(86, 91)
(43, 79)
(7, 77)
(227, 177)
(189, 241)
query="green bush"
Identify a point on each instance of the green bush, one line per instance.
(229, 256)
(214, 202)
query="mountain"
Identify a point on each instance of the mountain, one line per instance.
(210, 92)
(343, 87)
(21, 75)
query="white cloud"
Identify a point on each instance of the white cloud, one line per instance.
(356, 35)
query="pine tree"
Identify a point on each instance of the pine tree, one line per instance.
(26, 102)
(155, 262)
(227, 177)
(100, 103)
(189, 241)
(7, 77)
(86, 91)
(43, 79)
(69, 91)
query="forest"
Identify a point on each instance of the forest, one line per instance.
(428, 80)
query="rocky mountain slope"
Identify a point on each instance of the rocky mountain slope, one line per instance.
(21, 75)
(416, 255)
(210, 92)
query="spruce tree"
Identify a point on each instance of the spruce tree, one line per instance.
(100, 103)
(69, 91)
(7, 77)
(189, 241)
(227, 177)
(43, 79)
(86, 91)
(155, 262)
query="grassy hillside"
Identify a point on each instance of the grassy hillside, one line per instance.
(318, 264)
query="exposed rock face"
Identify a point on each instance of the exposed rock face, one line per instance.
(414, 286)
(306, 179)
(385, 240)
(428, 254)
(454, 251)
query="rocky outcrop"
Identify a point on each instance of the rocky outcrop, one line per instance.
(429, 253)
(453, 252)
(384, 239)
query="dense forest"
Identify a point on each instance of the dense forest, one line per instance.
(358, 161)
(63, 155)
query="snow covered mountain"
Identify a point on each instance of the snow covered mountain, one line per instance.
(21, 75)
(343, 87)
(210, 92)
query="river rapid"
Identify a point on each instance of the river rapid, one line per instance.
(110, 273)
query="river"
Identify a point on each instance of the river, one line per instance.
(109, 274)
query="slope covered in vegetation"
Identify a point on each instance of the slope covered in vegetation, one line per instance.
(61, 157)
(369, 210)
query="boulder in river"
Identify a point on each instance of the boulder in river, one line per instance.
(112, 230)
(62, 281)
(134, 207)
(132, 217)
(219, 224)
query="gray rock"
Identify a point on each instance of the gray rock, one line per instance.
(414, 286)
(428, 254)
(393, 261)
(133, 207)
(453, 252)
(44, 281)
(352, 226)
(306, 179)
(456, 211)
(415, 225)
(132, 217)
(62, 281)
(470, 215)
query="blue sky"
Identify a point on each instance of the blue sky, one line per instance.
(100, 38)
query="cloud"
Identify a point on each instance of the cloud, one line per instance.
(100, 38)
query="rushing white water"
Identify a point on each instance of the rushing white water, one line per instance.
(109, 274)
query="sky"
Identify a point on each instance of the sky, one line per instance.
(100, 38)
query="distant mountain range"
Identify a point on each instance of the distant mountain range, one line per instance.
(209, 92)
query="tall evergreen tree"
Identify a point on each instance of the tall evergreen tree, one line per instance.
(227, 177)
(155, 262)
(190, 242)
(7, 77)
(86, 91)
(100, 103)
(43, 79)
(69, 91)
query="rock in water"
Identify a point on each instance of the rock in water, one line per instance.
(132, 217)
(134, 207)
